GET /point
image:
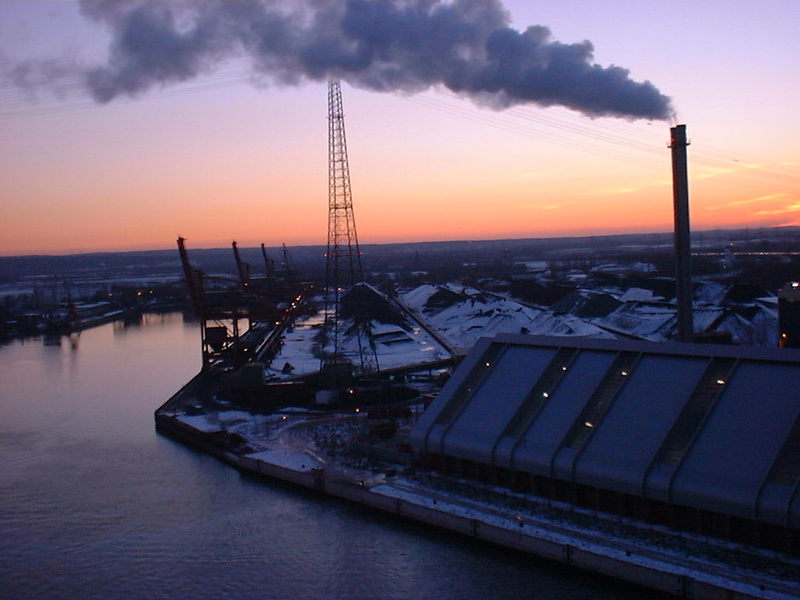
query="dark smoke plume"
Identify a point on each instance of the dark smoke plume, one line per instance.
(383, 45)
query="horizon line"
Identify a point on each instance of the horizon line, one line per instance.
(79, 252)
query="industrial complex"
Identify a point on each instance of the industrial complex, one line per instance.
(689, 453)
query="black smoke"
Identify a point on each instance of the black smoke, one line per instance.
(466, 46)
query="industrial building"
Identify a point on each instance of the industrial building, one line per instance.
(697, 437)
(789, 315)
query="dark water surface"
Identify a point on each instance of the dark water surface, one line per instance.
(95, 504)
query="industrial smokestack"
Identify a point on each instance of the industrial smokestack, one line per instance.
(409, 46)
(683, 267)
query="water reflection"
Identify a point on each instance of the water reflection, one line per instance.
(51, 339)
(94, 503)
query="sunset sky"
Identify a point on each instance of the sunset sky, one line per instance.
(218, 158)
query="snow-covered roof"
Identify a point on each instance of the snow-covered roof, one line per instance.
(635, 294)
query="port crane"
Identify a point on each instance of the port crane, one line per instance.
(234, 319)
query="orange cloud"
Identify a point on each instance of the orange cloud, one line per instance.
(758, 199)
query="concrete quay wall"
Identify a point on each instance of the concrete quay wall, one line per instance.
(624, 567)
(681, 585)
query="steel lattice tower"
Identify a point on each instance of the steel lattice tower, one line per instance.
(343, 267)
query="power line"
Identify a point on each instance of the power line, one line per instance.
(638, 142)
(556, 136)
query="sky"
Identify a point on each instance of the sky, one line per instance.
(235, 155)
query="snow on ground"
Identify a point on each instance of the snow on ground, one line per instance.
(395, 347)
(416, 298)
(288, 440)
(473, 314)
(705, 317)
(199, 422)
(770, 301)
(462, 314)
(566, 325)
(635, 294)
(297, 349)
(761, 330)
(709, 292)
(465, 322)
(638, 550)
(646, 321)
(217, 420)
(624, 549)
(16, 289)
(290, 459)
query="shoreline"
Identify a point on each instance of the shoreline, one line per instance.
(649, 568)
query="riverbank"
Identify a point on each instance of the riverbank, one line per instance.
(282, 446)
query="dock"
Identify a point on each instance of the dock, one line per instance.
(287, 459)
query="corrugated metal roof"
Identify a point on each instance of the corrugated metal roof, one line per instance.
(709, 427)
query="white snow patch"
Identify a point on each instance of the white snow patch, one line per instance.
(199, 422)
(639, 295)
(289, 459)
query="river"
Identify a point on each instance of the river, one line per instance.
(95, 504)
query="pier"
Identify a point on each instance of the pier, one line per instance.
(271, 446)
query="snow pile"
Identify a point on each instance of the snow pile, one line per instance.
(397, 341)
(635, 294)
(644, 321)
(462, 315)
(296, 354)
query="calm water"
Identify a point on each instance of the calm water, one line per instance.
(95, 504)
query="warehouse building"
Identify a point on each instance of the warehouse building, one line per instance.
(700, 438)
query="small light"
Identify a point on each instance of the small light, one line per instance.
(488, 364)
(589, 425)
(721, 381)
(624, 373)
(795, 284)
(358, 410)
(563, 368)
(284, 417)
(545, 395)
(784, 336)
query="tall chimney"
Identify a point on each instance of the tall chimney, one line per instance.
(683, 267)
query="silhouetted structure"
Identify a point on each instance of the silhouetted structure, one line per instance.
(343, 258)
(234, 319)
(683, 266)
(268, 264)
(789, 316)
(242, 268)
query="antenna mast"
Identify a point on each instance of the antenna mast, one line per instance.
(343, 267)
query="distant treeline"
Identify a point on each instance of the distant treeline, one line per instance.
(442, 260)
